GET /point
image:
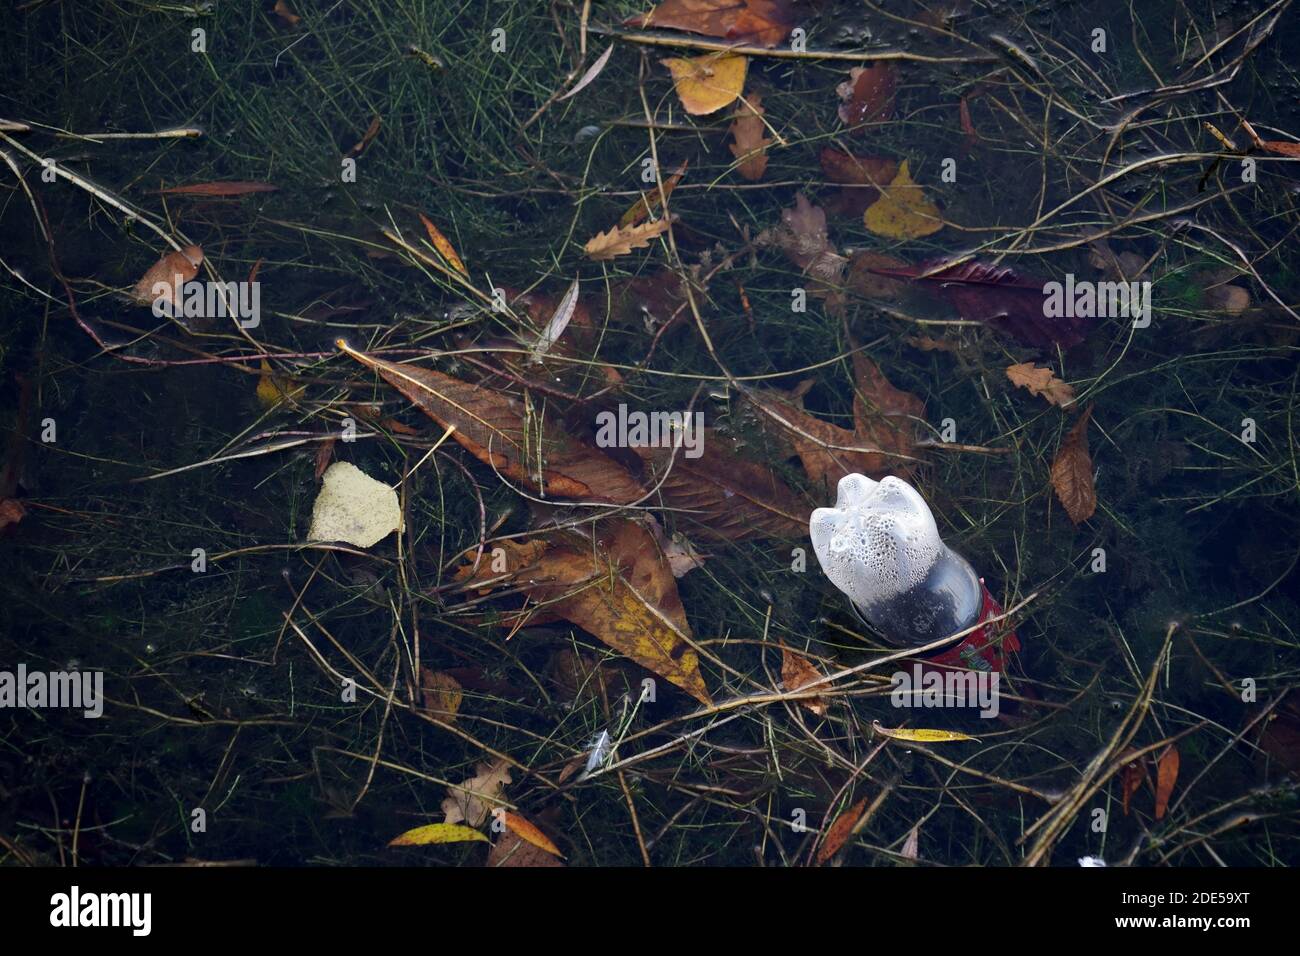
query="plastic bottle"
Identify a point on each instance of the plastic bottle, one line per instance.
(881, 547)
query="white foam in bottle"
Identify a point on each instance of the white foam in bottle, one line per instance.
(881, 547)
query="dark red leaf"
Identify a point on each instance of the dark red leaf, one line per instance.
(999, 297)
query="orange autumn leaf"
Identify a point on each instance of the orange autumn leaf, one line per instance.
(499, 431)
(1166, 777)
(763, 22)
(1131, 780)
(1072, 473)
(371, 132)
(521, 828)
(444, 247)
(173, 269)
(749, 133)
(796, 671)
(653, 199)
(840, 831)
(1281, 147)
(705, 84)
(621, 240)
(230, 188)
(286, 14)
(1041, 381)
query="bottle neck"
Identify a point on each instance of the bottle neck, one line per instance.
(947, 600)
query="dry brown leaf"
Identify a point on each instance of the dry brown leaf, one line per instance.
(1072, 473)
(443, 245)
(472, 802)
(1166, 777)
(803, 238)
(763, 22)
(913, 842)
(883, 420)
(497, 430)
(521, 828)
(1135, 772)
(868, 94)
(749, 133)
(621, 240)
(705, 84)
(286, 14)
(172, 270)
(324, 455)
(863, 178)
(223, 189)
(796, 671)
(1041, 381)
(636, 610)
(928, 343)
(513, 851)
(371, 132)
(1281, 147)
(653, 198)
(1229, 299)
(862, 281)
(723, 494)
(840, 831)
(1279, 735)
(441, 693)
(11, 512)
(903, 211)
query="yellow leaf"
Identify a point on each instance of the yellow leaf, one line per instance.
(920, 735)
(705, 84)
(437, 833)
(444, 247)
(526, 831)
(621, 240)
(902, 211)
(272, 389)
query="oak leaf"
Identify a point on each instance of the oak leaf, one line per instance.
(472, 802)
(621, 240)
(1041, 381)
